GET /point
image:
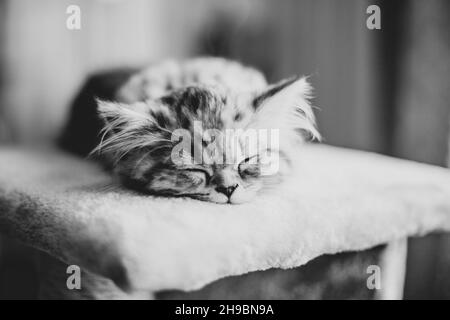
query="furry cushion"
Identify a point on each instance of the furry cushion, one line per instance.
(340, 200)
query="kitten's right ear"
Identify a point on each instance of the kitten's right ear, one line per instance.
(115, 113)
(125, 127)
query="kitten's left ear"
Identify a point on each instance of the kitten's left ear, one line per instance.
(285, 105)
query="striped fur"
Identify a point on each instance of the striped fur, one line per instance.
(141, 128)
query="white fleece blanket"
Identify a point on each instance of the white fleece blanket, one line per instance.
(340, 200)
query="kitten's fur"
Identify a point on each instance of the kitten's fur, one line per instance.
(141, 114)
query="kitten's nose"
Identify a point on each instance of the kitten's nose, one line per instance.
(228, 191)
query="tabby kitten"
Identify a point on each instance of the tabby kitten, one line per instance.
(167, 129)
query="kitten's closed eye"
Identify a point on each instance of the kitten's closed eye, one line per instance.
(250, 167)
(199, 175)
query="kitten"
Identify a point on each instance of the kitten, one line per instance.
(182, 129)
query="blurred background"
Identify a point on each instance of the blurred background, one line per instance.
(384, 90)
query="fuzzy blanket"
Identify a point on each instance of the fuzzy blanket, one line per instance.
(340, 200)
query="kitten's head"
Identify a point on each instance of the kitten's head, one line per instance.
(206, 143)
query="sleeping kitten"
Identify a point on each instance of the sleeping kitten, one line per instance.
(206, 128)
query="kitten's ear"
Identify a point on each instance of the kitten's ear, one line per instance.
(129, 126)
(285, 106)
(118, 114)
